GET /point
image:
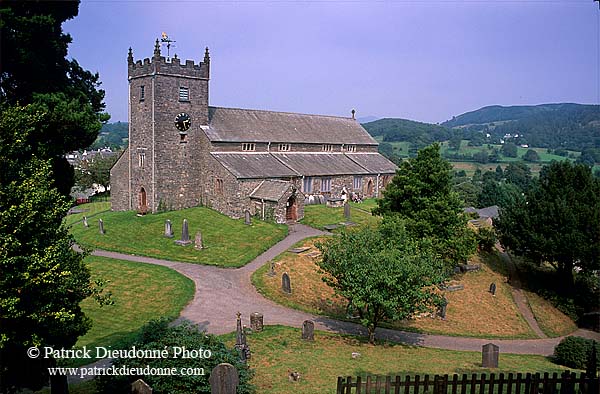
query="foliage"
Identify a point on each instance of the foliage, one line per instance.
(519, 174)
(421, 194)
(573, 352)
(486, 238)
(497, 193)
(558, 221)
(35, 71)
(43, 280)
(383, 273)
(112, 135)
(417, 133)
(509, 149)
(159, 335)
(531, 156)
(95, 171)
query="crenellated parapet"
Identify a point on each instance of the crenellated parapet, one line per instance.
(161, 65)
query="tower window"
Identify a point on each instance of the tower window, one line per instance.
(219, 187)
(142, 93)
(350, 148)
(184, 94)
(284, 147)
(327, 148)
(141, 159)
(248, 146)
(183, 138)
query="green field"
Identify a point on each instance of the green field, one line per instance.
(320, 215)
(90, 210)
(228, 242)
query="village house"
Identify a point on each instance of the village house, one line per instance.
(184, 153)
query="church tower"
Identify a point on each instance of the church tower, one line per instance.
(168, 106)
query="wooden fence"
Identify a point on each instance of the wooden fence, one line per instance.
(566, 383)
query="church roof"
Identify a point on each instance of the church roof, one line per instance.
(253, 165)
(271, 190)
(320, 164)
(374, 163)
(247, 125)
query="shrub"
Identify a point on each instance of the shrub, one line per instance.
(573, 352)
(486, 238)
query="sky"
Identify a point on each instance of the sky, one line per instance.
(425, 60)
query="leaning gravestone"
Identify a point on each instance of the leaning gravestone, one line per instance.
(256, 322)
(308, 330)
(140, 387)
(168, 229)
(198, 241)
(85, 222)
(271, 269)
(101, 226)
(286, 286)
(224, 379)
(185, 234)
(442, 309)
(247, 218)
(493, 289)
(489, 356)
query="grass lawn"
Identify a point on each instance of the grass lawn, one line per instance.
(367, 205)
(90, 210)
(141, 292)
(321, 215)
(471, 312)
(278, 350)
(552, 322)
(227, 242)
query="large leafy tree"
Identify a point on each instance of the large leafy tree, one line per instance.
(35, 71)
(558, 221)
(384, 273)
(43, 280)
(421, 193)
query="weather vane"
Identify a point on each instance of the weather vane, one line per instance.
(166, 40)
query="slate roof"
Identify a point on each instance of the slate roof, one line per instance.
(253, 165)
(270, 190)
(373, 162)
(320, 164)
(246, 125)
(487, 212)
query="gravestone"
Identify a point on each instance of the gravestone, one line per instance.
(457, 270)
(271, 269)
(256, 322)
(185, 234)
(493, 289)
(308, 330)
(240, 340)
(168, 229)
(286, 286)
(457, 287)
(224, 379)
(198, 241)
(101, 226)
(247, 218)
(85, 222)
(442, 309)
(489, 356)
(347, 211)
(140, 387)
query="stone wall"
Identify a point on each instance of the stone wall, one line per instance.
(120, 199)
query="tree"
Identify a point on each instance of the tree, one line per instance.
(509, 150)
(43, 280)
(558, 221)
(421, 194)
(499, 173)
(518, 174)
(95, 172)
(498, 193)
(531, 156)
(455, 142)
(383, 272)
(481, 157)
(35, 71)
(158, 335)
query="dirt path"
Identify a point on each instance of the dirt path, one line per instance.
(222, 292)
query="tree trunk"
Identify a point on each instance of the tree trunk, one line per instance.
(371, 329)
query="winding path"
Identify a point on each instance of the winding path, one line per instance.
(222, 292)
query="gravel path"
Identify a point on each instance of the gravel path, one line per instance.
(222, 292)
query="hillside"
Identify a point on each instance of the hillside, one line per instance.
(113, 135)
(395, 130)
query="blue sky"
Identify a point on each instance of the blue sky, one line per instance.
(425, 60)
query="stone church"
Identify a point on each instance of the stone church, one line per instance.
(184, 153)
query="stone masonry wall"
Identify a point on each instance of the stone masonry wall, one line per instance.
(119, 183)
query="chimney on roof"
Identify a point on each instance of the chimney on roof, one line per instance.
(353, 113)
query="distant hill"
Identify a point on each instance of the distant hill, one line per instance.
(418, 133)
(113, 135)
(367, 119)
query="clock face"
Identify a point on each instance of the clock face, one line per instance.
(183, 121)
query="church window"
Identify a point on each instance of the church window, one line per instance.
(327, 148)
(183, 138)
(248, 146)
(357, 182)
(142, 93)
(325, 185)
(350, 148)
(184, 94)
(219, 187)
(141, 159)
(307, 185)
(284, 147)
